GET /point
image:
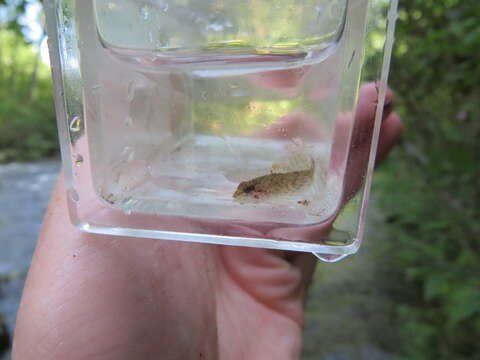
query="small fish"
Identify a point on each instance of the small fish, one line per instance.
(275, 184)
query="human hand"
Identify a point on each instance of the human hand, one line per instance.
(95, 296)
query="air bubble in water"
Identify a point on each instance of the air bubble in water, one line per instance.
(165, 7)
(128, 121)
(76, 124)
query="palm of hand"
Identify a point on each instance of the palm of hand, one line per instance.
(147, 299)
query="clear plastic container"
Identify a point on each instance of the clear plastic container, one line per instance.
(226, 122)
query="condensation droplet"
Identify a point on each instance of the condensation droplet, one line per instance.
(165, 7)
(73, 195)
(128, 121)
(79, 160)
(204, 96)
(76, 124)
(127, 153)
(145, 12)
(131, 156)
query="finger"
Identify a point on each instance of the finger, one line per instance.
(390, 134)
(306, 263)
(362, 132)
(365, 114)
(357, 162)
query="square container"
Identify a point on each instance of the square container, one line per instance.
(220, 121)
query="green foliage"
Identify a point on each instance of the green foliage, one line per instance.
(27, 118)
(430, 187)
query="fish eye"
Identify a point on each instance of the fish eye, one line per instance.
(249, 188)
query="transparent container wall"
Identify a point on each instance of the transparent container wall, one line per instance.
(212, 27)
(226, 122)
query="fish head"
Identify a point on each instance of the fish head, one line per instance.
(244, 190)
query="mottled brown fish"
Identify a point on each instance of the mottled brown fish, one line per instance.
(274, 184)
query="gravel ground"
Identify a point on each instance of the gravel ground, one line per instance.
(24, 193)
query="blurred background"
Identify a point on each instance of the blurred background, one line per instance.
(413, 291)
